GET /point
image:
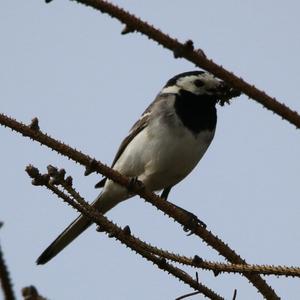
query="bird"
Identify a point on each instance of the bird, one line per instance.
(162, 147)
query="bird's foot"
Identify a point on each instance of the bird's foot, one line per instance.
(193, 219)
(193, 222)
(135, 184)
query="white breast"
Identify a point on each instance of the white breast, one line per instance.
(163, 154)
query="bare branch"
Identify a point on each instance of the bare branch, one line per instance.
(218, 268)
(148, 196)
(57, 177)
(5, 280)
(123, 235)
(252, 269)
(187, 51)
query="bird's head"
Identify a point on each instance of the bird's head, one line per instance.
(202, 84)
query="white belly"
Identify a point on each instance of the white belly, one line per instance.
(161, 156)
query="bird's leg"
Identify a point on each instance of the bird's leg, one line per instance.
(194, 220)
(165, 193)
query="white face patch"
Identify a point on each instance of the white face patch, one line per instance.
(207, 83)
(173, 89)
(188, 83)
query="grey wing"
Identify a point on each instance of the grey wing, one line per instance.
(136, 128)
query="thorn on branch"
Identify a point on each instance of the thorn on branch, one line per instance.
(127, 230)
(216, 273)
(197, 260)
(201, 52)
(69, 181)
(162, 263)
(99, 229)
(111, 235)
(31, 293)
(48, 1)
(62, 173)
(35, 124)
(91, 167)
(127, 30)
(188, 46)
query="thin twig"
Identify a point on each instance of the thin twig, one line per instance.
(234, 294)
(187, 295)
(187, 51)
(148, 196)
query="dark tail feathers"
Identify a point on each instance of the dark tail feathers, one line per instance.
(103, 204)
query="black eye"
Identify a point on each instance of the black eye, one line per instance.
(198, 83)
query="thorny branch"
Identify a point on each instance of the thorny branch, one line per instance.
(218, 268)
(29, 293)
(123, 235)
(57, 178)
(187, 51)
(6, 283)
(165, 206)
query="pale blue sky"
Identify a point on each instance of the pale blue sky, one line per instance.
(69, 66)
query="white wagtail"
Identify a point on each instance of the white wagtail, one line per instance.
(162, 147)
